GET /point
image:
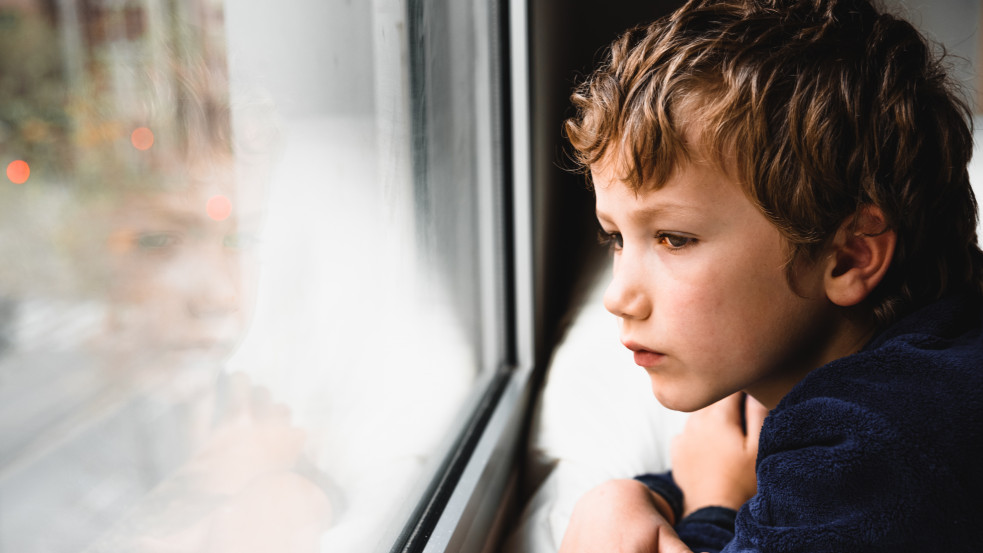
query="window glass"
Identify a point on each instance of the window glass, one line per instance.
(252, 273)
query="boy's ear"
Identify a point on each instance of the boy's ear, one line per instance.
(860, 256)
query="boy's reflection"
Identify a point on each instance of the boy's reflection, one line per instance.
(180, 280)
(182, 272)
(160, 449)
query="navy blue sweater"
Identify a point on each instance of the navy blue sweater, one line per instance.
(878, 451)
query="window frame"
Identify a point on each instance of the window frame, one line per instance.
(465, 505)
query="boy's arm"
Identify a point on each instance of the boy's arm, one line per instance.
(622, 516)
(713, 459)
(714, 466)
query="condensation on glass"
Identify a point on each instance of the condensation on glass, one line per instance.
(249, 272)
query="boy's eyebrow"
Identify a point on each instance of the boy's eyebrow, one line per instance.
(157, 215)
(649, 212)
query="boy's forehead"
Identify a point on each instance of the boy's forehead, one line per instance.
(607, 177)
(692, 187)
(615, 199)
(611, 170)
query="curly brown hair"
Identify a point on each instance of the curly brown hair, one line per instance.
(821, 106)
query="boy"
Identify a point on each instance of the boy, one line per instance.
(784, 187)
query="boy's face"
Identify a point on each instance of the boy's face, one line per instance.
(700, 289)
(180, 275)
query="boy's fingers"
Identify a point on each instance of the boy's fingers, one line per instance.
(238, 396)
(754, 414)
(262, 402)
(669, 542)
(728, 410)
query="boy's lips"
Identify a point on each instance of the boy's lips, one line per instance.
(644, 357)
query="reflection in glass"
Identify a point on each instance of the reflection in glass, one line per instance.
(130, 277)
(235, 314)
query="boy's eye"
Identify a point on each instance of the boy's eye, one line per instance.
(156, 241)
(675, 241)
(612, 240)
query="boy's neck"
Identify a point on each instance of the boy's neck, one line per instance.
(848, 336)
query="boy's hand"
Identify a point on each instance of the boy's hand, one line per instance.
(713, 459)
(254, 438)
(621, 516)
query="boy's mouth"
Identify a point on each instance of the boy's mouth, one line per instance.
(644, 357)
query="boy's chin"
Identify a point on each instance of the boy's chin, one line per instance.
(678, 400)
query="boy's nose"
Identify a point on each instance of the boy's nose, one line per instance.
(626, 296)
(215, 288)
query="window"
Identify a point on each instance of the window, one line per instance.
(260, 285)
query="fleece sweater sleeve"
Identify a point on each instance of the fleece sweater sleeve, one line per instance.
(664, 485)
(829, 482)
(837, 476)
(845, 475)
(878, 451)
(705, 530)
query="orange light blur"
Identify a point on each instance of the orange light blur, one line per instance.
(120, 241)
(219, 208)
(18, 171)
(142, 138)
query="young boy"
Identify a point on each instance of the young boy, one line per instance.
(784, 186)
